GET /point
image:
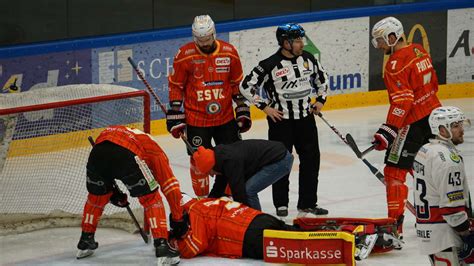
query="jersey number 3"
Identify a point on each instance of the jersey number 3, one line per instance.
(422, 210)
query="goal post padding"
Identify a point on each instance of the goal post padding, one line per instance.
(44, 151)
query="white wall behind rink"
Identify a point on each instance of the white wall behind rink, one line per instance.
(343, 46)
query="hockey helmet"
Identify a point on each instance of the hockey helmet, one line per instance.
(384, 28)
(203, 26)
(445, 116)
(289, 31)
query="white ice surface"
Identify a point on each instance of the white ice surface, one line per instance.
(346, 188)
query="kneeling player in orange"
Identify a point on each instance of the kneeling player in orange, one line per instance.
(134, 158)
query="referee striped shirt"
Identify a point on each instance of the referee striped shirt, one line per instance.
(290, 84)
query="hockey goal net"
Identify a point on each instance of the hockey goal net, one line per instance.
(44, 151)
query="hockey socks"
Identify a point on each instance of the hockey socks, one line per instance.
(155, 214)
(397, 192)
(93, 211)
(200, 181)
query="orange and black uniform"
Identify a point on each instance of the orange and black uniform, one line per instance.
(133, 157)
(207, 84)
(412, 85)
(221, 227)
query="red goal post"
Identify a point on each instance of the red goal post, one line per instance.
(44, 151)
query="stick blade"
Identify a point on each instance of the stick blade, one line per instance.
(351, 142)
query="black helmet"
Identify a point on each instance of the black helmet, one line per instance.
(289, 31)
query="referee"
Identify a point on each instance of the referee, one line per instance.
(291, 78)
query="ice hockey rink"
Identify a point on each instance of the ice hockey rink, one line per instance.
(346, 188)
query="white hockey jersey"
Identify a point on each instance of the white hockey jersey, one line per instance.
(441, 196)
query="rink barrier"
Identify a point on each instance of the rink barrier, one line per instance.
(353, 100)
(158, 127)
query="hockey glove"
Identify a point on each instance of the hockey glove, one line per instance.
(466, 252)
(175, 123)
(119, 198)
(384, 137)
(242, 116)
(179, 228)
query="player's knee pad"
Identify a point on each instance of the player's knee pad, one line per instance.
(150, 199)
(200, 182)
(93, 211)
(392, 173)
(97, 185)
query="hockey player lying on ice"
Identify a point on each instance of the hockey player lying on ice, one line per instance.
(222, 227)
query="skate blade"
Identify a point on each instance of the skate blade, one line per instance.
(84, 253)
(167, 261)
(311, 215)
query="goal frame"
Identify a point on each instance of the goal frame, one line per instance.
(53, 220)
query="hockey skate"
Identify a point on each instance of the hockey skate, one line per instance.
(399, 232)
(365, 246)
(397, 243)
(165, 254)
(311, 212)
(86, 245)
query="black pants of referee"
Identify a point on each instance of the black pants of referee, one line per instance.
(303, 135)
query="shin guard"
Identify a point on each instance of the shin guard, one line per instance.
(155, 214)
(200, 182)
(93, 211)
(397, 191)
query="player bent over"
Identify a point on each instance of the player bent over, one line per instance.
(134, 158)
(442, 192)
(248, 166)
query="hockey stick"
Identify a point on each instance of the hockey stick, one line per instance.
(129, 210)
(351, 143)
(157, 99)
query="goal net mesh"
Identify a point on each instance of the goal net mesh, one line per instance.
(44, 151)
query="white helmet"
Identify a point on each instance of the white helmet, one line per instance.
(203, 26)
(384, 28)
(445, 116)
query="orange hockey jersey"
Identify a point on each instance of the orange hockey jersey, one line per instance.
(143, 145)
(217, 228)
(412, 85)
(206, 83)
